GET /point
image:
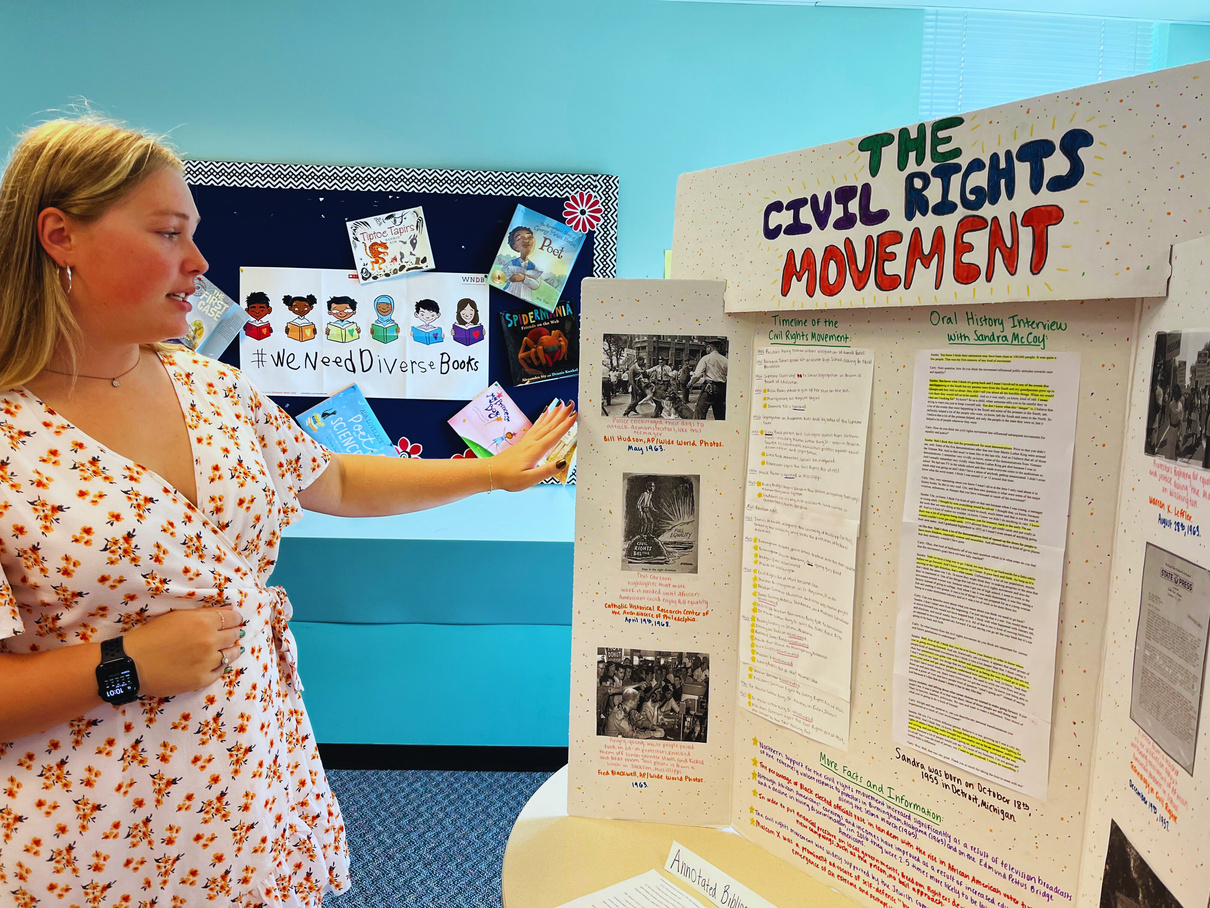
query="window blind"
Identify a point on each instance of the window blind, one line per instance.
(976, 59)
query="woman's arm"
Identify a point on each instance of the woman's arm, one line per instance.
(42, 690)
(359, 485)
(172, 653)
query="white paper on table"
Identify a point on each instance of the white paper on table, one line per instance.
(806, 471)
(717, 886)
(981, 560)
(647, 890)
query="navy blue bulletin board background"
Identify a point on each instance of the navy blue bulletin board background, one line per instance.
(293, 216)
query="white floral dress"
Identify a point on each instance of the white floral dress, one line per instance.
(216, 795)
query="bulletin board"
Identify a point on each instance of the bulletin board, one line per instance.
(293, 216)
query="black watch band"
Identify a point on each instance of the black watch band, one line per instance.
(117, 678)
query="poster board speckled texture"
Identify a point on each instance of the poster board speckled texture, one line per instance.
(650, 611)
(879, 820)
(1163, 810)
(1074, 195)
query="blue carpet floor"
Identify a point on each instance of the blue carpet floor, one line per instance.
(428, 838)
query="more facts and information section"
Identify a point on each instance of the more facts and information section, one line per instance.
(981, 564)
(802, 510)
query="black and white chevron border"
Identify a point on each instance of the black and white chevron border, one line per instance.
(426, 179)
(571, 478)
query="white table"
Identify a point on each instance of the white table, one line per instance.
(552, 858)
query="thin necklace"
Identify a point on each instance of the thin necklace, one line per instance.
(113, 381)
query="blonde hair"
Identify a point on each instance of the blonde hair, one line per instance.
(82, 167)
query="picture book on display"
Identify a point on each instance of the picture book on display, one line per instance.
(491, 422)
(345, 423)
(535, 258)
(541, 345)
(563, 451)
(896, 559)
(214, 321)
(390, 245)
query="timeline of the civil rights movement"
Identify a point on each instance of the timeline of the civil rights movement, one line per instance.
(954, 600)
(802, 509)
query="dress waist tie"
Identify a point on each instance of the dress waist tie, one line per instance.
(283, 640)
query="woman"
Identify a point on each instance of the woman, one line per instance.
(650, 710)
(670, 704)
(152, 737)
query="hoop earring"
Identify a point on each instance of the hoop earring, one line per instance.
(67, 268)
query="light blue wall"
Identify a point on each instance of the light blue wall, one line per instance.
(1188, 44)
(644, 89)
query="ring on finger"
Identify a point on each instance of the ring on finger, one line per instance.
(226, 661)
(222, 621)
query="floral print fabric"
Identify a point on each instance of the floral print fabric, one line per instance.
(214, 796)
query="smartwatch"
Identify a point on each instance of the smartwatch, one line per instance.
(117, 679)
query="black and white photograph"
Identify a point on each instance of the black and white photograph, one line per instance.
(646, 693)
(664, 376)
(660, 522)
(1178, 412)
(1129, 881)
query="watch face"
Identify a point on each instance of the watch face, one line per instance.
(118, 682)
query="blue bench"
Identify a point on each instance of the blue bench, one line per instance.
(445, 627)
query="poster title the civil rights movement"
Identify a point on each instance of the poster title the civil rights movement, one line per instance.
(928, 176)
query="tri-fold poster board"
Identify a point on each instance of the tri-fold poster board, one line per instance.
(922, 604)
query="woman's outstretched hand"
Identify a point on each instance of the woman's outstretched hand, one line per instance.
(516, 467)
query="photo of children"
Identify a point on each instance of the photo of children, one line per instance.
(652, 694)
(660, 523)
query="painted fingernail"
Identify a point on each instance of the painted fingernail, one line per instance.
(241, 650)
(243, 633)
(562, 464)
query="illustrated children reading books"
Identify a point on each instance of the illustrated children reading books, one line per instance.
(300, 328)
(427, 312)
(342, 329)
(467, 329)
(523, 275)
(257, 327)
(384, 329)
